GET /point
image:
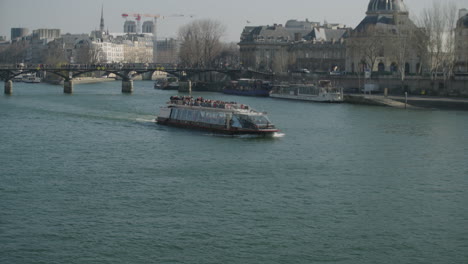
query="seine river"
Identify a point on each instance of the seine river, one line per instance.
(89, 178)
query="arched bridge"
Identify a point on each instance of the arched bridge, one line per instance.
(127, 72)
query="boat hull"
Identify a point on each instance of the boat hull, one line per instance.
(215, 128)
(259, 93)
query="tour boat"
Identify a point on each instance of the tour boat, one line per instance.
(324, 92)
(216, 116)
(248, 87)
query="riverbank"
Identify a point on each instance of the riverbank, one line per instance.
(83, 80)
(413, 102)
(86, 80)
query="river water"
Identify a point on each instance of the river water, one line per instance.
(89, 178)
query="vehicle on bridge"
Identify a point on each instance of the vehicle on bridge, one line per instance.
(217, 116)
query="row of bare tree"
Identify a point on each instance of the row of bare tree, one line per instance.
(201, 45)
(438, 23)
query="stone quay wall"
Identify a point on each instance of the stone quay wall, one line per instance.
(456, 87)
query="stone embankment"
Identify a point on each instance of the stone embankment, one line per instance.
(374, 100)
(86, 80)
(412, 102)
(82, 80)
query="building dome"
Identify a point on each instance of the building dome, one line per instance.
(386, 6)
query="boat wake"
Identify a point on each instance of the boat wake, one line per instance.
(145, 120)
(279, 135)
(246, 136)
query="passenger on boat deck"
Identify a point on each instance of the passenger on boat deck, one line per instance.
(200, 101)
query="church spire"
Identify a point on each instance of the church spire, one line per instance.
(101, 26)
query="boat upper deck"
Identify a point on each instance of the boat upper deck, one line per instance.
(215, 105)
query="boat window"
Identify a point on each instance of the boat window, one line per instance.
(183, 114)
(260, 120)
(235, 122)
(174, 113)
(246, 122)
(189, 116)
(213, 118)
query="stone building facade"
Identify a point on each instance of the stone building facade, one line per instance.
(322, 50)
(298, 45)
(136, 48)
(461, 43)
(264, 48)
(386, 41)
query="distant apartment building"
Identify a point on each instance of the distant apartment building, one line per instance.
(137, 48)
(461, 43)
(45, 33)
(38, 41)
(108, 52)
(18, 33)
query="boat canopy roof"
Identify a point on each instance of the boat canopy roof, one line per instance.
(208, 103)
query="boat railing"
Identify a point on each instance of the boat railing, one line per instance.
(210, 104)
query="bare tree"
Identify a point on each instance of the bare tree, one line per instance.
(15, 52)
(438, 23)
(405, 44)
(55, 53)
(229, 55)
(87, 53)
(371, 48)
(200, 42)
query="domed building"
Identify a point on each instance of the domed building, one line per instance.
(386, 41)
(461, 42)
(386, 6)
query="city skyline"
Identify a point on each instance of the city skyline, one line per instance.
(84, 16)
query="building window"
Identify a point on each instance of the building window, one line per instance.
(407, 68)
(381, 67)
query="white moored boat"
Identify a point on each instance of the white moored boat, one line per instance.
(323, 92)
(31, 78)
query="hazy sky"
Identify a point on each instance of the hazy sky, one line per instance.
(83, 16)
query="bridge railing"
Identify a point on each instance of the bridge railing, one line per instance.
(106, 66)
(101, 66)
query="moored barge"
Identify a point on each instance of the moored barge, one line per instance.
(216, 116)
(248, 87)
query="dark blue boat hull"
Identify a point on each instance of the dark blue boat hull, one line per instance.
(247, 93)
